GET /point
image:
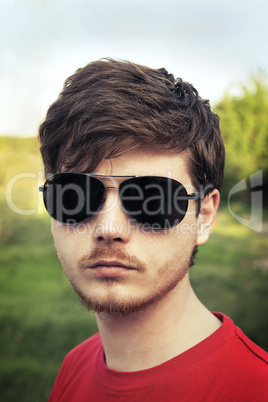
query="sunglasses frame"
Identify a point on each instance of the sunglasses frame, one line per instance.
(193, 196)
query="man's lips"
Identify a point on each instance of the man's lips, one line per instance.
(110, 268)
(104, 263)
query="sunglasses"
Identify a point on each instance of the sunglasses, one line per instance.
(152, 201)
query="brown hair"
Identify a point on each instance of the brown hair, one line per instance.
(109, 107)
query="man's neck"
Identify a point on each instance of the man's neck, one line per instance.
(159, 333)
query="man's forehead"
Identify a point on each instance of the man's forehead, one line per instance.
(144, 162)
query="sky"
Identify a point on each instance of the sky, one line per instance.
(213, 45)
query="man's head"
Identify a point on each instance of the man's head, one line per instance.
(120, 119)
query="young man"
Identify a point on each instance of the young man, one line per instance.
(134, 163)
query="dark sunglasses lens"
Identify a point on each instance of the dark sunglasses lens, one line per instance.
(156, 202)
(72, 197)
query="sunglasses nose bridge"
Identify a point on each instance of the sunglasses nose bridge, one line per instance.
(108, 187)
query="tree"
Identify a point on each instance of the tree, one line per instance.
(244, 124)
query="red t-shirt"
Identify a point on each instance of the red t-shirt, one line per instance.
(226, 366)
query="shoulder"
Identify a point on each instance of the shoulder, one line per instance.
(82, 357)
(76, 366)
(242, 356)
(250, 352)
(84, 351)
(250, 366)
(235, 365)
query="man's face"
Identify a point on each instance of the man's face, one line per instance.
(115, 264)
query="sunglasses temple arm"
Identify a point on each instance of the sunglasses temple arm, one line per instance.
(41, 189)
(195, 196)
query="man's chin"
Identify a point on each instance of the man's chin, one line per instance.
(114, 305)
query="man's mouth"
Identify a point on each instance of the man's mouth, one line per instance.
(110, 269)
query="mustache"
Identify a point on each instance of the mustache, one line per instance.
(100, 253)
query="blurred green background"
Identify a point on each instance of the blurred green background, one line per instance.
(40, 316)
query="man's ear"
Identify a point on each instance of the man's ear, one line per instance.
(206, 216)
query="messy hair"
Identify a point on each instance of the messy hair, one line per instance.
(110, 107)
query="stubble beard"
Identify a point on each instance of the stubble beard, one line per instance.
(117, 306)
